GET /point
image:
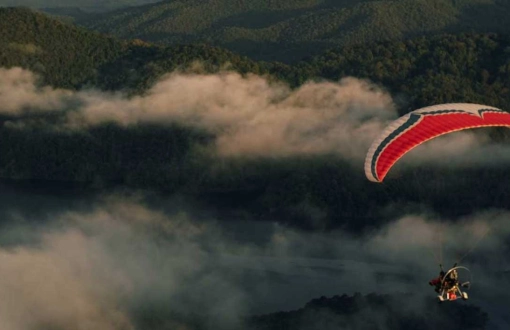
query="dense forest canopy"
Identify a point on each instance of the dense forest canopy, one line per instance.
(287, 31)
(418, 72)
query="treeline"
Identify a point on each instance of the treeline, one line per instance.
(467, 67)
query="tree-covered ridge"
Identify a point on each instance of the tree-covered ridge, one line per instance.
(426, 70)
(73, 57)
(142, 65)
(445, 68)
(273, 31)
(320, 191)
(65, 55)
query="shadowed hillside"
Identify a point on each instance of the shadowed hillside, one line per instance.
(294, 29)
(99, 139)
(71, 57)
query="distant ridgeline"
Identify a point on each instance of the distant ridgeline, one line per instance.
(425, 70)
(290, 30)
(320, 191)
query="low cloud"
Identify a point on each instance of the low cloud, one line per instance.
(20, 93)
(251, 116)
(248, 115)
(108, 267)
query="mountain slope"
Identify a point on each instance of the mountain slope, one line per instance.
(290, 31)
(71, 57)
(421, 71)
(64, 54)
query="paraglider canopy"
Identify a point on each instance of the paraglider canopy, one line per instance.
(421, 125)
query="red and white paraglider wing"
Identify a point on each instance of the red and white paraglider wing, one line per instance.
(424, 124)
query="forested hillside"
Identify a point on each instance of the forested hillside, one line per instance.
(469, 67)
(440, 69)
(312, 190)
(289, 30)
(71, 57)
(66, 56)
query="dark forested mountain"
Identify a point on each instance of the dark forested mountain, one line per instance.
(427, 70)
(65, 55)
(68, 56)
(289, 30)
(420, 71)
(445, 68)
